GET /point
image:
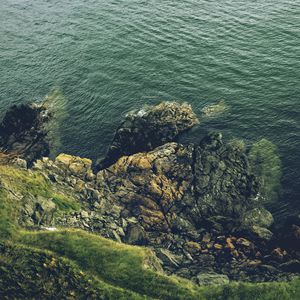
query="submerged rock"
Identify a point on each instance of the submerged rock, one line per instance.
(148, 128)
(258, 216)
(266, 165)
(215, 109)
(22, 132)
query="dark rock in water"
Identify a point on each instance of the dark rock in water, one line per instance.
(289, 235)
(149, 128)
(223, 182)
(291, 266)
(22, 132)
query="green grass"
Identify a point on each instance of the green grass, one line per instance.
(23, 182)
(124, 266)
(29, 273)
(121, 265)
(8, 215)
(259, 291)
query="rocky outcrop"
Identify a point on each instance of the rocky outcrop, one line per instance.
(150, 185)
(198, 206)
(22, 132)
(148, 128)
(180, 188)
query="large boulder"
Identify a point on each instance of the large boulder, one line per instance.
(223, 183)
(148, 128)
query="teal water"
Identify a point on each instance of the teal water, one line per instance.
(109, 57)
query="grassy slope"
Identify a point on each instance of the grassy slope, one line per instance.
(118, 264)
(28, 273)
(112, 270)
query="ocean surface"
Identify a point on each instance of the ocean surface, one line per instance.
(109, 57)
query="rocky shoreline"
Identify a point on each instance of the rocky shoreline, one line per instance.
(198, 206)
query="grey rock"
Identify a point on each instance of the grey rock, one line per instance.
(136, 235)
(212, 279)
(20, 163)
(37, 210)
(168, 258)
(262, 233)
(84, 214)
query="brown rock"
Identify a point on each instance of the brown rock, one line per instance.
(229, 244)
(279, 253)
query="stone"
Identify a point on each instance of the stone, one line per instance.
(64, 159)
(229, 244)
(152, 195)
(182, 225)
(20, 163)
(148, 128)
(37, 211)
(262, 233)
(168, 258)
(84, 214)
(279, 253)
(136, 235)
(206, 238)
(268, 269)
(206, 262)
(212, 279)
(77, 168)
(193, 247)
(258, 216)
